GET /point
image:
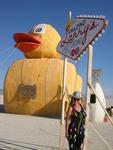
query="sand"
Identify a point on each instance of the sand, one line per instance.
(23, 132)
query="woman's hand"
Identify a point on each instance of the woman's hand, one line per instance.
(68, 121)
(66, 134)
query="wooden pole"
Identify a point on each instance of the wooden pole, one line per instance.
(89, 76)
(62, 122)
(64, 88)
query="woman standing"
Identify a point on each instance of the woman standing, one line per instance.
(75, 122)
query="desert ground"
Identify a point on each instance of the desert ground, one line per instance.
(24, 132)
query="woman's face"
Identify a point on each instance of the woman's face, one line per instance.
(75, 102)
(79, 101)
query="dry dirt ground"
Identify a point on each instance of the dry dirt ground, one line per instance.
(23, 132)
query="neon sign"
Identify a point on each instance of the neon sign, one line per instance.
(80, 35)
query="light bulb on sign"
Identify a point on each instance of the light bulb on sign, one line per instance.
(97, 16)
(93, 42)
(96, 39)
(101, 16)
(103, 31)
(100, 35)
(78, 58)
(84, 52)
(81, 55)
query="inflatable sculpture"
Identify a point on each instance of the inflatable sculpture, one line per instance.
(33, 85)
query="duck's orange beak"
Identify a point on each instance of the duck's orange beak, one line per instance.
(26, 42)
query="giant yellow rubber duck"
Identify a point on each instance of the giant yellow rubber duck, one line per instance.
(33, 86)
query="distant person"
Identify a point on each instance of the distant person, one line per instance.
(75, 122)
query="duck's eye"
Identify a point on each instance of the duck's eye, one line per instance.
(40, 29)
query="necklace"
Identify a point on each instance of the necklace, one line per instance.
(77, 108)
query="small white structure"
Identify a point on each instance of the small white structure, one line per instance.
(96, 113)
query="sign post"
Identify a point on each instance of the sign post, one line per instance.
(64, 88)
(88, 91)
(62, 123)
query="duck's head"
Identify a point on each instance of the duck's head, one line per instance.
(40, 42)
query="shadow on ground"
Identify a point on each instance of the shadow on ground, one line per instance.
(12, 144)
(2, 108)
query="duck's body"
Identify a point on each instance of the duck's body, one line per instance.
(34, 86)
